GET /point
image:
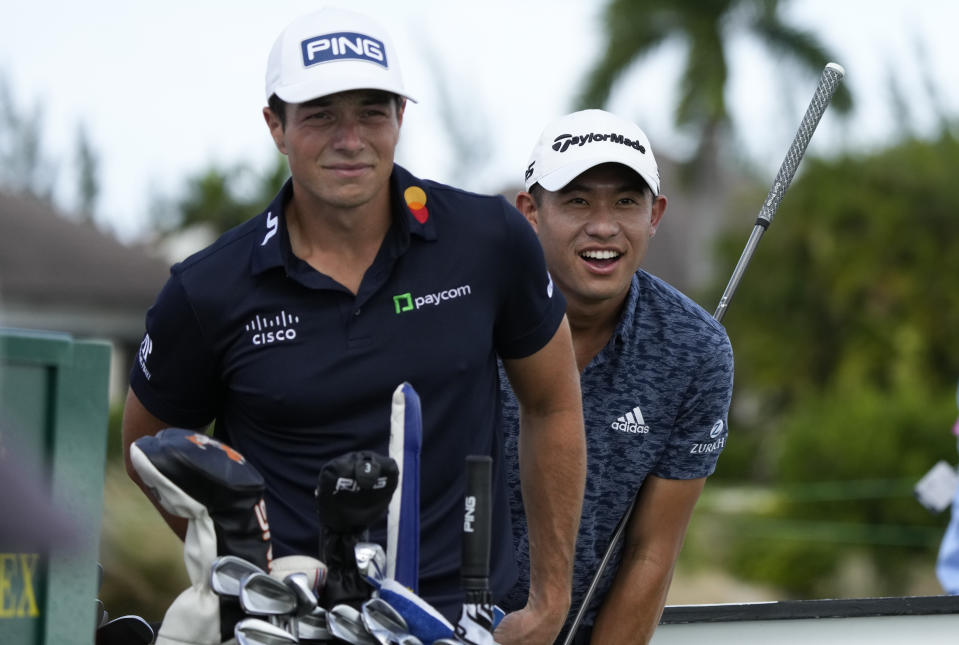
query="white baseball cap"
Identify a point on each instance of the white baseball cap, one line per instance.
(332, 50)
(571, 145)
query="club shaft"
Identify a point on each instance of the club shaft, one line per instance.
(829, 81)
(740, 270)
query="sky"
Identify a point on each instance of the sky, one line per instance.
(166, 89)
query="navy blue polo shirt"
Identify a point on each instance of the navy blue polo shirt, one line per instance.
(295, 369)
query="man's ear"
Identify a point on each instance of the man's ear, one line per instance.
(276, 129)
(526, 205)
(659, 209)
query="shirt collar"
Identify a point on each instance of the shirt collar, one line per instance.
(409, 206)
(622, 333)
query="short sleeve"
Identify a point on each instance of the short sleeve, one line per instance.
(531, 308)
(174, 374)
(701, 428)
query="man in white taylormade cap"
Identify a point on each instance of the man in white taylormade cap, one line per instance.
(292, 330)
(656, 369)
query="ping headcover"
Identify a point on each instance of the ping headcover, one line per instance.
(221, 495)
(352, 493)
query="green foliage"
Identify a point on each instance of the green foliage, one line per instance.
(855, 284)
(222, 197)
(846, 362)
(635, 28)
(792, 564)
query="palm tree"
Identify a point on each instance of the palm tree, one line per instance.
(635, 28)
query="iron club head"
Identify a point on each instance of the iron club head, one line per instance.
(227, 572)
(370, 561)
(313, 626)
(345, 623)
(254, 631)
(262, 595)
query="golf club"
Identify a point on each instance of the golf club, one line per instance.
(313, 626)
(227, 572)
(253, 631)
(371, 562)
(299, 583)
(385, 624)
(345, 623)
(262, 595)
(353, 493)
(831, 76)
(475, 625)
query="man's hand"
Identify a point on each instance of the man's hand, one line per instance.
(529, 626)
(654, 537)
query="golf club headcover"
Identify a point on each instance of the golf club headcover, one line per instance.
(354, 491)
(423, 620)
(221, 495)
(403, 517)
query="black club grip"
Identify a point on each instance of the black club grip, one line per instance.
(476, 523)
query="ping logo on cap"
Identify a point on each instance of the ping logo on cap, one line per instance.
(343, 45)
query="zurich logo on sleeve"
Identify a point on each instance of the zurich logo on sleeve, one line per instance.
(344, 45)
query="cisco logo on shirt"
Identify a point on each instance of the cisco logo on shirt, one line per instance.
(267, 330)
(343, 45)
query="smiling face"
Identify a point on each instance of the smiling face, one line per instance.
(595, 232)
(340, 147)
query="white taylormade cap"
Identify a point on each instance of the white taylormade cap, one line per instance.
(573, 144)
(329, 51)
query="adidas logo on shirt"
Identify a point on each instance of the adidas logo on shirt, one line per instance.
(631, 423)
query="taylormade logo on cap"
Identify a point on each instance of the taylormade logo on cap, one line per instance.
(343, 46)
(571, 145)
(564, 141)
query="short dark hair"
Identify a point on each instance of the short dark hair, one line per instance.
(536, 192)
(278, 107)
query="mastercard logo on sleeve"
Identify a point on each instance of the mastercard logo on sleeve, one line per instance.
(416, 201)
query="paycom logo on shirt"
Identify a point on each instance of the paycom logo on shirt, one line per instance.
(403, 302)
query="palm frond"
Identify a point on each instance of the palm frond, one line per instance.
(633, 30)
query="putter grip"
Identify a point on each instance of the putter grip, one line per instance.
(476, 524)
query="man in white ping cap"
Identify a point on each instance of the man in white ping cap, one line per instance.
(292, 331)
(656, 369)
